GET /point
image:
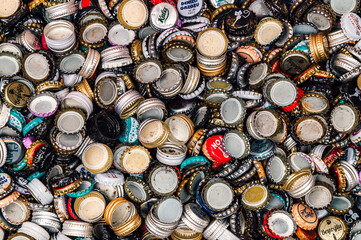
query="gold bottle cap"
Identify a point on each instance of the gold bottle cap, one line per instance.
(50, 86)
(299, 183)
(319, 47)
(153, 133)
(212, 42)
(97, 158)
(294, 62)
(135, 160)
(256, 196)
(314, 103)
(309, 129)
(136, 51)
(332, 228)
(84, 88)
(16, 94)
(110, 210)
(90, 208)
(268, 30)
(132, 14)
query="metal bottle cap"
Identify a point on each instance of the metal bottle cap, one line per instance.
(163, 16)
(132, 14)
(350, 23)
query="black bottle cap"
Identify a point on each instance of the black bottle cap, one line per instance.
(241, 21)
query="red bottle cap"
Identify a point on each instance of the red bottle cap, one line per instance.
(213, 150)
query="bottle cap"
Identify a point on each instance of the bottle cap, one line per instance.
(240, 21)
(148, 71)
(341, 204)
(119, 35)
(97, 158)
(294, 62)
(342, 7)
(300, 160)
(282, 92)
(257, 75)
(74, 228)
(344, 118)
(163, 16)
(320, 17)
(111, 177)
(267, 123)
(262, 149)
(268, 30)
(15, 150)
(255, 196)
(314, 103)
(72, 63)
(305, 217)
(10, 64)
(137, 190)
(90, 208)
(309, 129)
(168, 205)
(153, 133)
(213, 149)
(130, 134)
(277, 169)
(34, 230)
(36, 67)
(93, 31)
(350, 23)
(78, 100)
(279, 224)
(233, 111)
(70, 120)
(163, 180)
(16, 94)
(212, 42)
(299, 183)
(6, 183)
(127, 16)
(9, 8)
(332, 227)
(17, 212)
(236, 144)
(214, 189)
(43, 104)
(181, 128)
(189, 8)
(135, 160)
